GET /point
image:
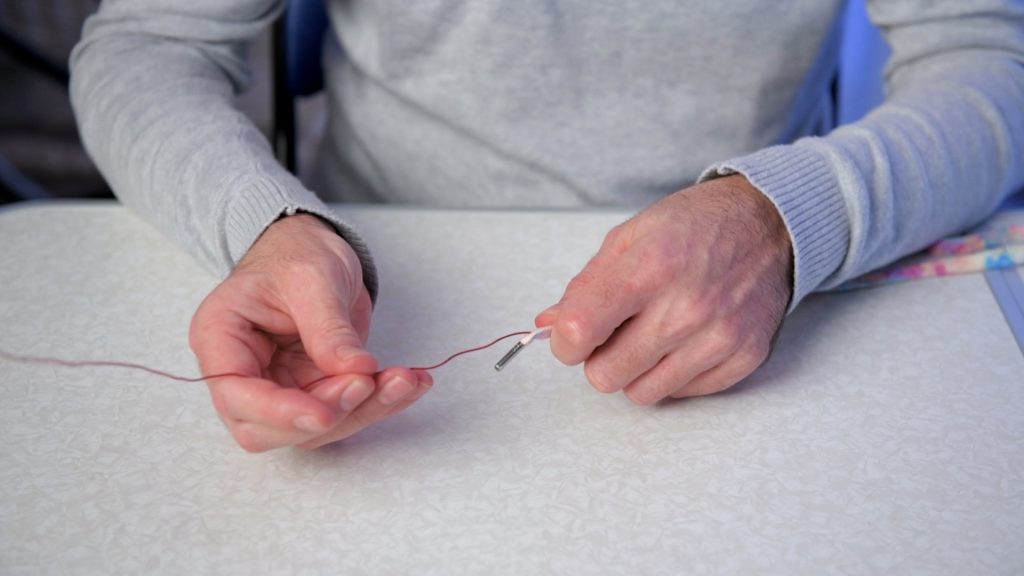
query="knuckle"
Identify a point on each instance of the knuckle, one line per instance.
(581, 281)
(656, 271)
(661, 249)
(612, 238)
(634, 284)
(682, 318)
(753, 356)
(575, 328)
(615, 241)
(725, 338)
(704, 307)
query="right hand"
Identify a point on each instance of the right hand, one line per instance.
(293, 318)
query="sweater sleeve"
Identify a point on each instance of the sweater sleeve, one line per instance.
(152, 85)
(935, 158)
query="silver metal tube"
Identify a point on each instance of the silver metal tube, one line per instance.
(508, 356)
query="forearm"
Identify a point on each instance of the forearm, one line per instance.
(937, 157)
(152, 87)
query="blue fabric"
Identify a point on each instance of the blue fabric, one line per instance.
(305, 26)
(861, 61)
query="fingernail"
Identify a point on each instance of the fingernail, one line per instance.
(424, 379)
(308, 423)
(420, 392)
(394, 390)
(356, 393)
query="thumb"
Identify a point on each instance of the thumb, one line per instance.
(328, 334)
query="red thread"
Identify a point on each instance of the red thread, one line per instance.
(130, 365)
(108, 364)
(468, 350)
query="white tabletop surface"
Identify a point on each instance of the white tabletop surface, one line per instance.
(884, 435)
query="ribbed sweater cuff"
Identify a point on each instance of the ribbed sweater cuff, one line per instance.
(804, 190)
(259, 203)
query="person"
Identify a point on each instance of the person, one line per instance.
(715, 118)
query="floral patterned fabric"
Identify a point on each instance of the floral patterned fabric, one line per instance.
(998, 243)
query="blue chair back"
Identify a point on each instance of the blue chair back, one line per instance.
(297, 45)
(861, 62)
(305, 24)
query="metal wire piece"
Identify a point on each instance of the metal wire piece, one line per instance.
(508, 356)
(538, 334)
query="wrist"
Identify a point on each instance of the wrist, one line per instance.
(749, 200)
(801, 182)
(766, 223)
(294, 237)
(302, 220)
(303, 227)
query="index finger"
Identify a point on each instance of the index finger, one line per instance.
(596, 302)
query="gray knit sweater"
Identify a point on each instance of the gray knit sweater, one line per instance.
(568, 103)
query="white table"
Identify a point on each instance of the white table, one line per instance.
(884, 436)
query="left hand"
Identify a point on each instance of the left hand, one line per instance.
(683, 299)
